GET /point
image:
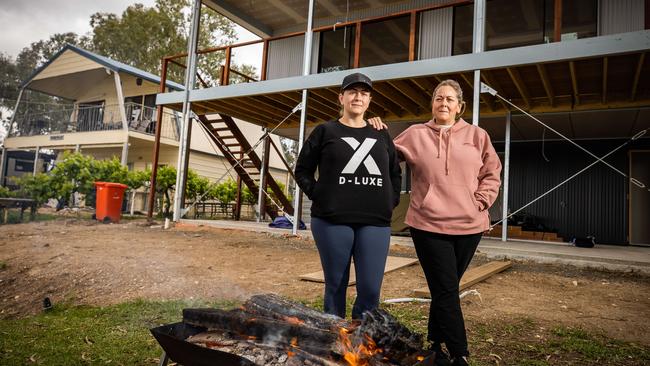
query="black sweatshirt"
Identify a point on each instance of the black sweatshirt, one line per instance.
(359, 175)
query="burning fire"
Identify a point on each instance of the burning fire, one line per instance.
(294, 344)
(293, 320)
(357, 355)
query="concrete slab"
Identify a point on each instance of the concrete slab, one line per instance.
(609, 257)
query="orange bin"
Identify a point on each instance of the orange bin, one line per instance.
(108, 206)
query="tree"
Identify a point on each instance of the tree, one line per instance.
(165, 182)
(141, 36)
(37, 187)
(73, 174)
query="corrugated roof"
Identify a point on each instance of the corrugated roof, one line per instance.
(111, 64)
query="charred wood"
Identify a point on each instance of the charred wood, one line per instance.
(397, 342)
(273, 306)
(243, 325)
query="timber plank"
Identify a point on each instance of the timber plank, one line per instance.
(392, 263)
(472, 276)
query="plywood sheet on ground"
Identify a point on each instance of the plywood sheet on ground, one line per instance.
(472, 276)
(392, 263)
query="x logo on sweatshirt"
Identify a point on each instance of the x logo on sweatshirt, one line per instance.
(361, 155)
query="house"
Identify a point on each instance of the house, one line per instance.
(578, 66)
(108, 110)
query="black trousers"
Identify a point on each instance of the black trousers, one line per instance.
(444, 259)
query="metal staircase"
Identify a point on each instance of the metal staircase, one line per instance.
(233, 145)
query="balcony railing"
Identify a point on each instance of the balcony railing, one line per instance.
(93, 118)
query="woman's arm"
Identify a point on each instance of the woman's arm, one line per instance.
(394, 170)
(308, 162)
(489, 176)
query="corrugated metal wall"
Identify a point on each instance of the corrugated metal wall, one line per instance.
(285, 56)
(594, 203)
(436, 28)
(620, 16)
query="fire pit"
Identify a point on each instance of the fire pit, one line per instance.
(271, 331)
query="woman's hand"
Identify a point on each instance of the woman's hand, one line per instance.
(377, 123)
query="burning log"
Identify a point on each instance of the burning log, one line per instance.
(259, 353)
(269, 330)
(396, 341)
(273, 306)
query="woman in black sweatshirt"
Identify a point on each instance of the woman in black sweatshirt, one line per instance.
(358, 186)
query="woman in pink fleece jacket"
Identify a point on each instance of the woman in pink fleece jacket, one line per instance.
(455, 179)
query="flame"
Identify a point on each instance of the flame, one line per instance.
(294, 344)
(420, 358)
(360, 354)
(293, 320)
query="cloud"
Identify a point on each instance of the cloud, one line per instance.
(27, 21)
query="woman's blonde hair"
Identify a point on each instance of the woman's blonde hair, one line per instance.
(459, 94)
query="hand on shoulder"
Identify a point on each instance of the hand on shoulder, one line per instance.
(377, 123)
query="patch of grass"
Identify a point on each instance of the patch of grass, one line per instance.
(3, 265)
(68, 335)
(522, 341)
(597, 347)
(119, 334)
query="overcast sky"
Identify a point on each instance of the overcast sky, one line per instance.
(25, 21)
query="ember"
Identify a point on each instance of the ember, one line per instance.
(269, 330)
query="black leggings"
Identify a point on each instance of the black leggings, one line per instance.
(444, 259)
(337, 245)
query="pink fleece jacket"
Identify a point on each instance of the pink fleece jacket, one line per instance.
(455, 177)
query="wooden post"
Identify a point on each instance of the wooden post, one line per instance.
(414, 17)
(265, 52)
(557, 21)
(226, 70)
(156, 145)
(357, 45)
(238, 199)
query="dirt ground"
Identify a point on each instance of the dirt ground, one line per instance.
(84, 262)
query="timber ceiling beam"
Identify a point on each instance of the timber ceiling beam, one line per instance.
(574, 81)
(391, 93)
(487, 78)
(605, 69)
(637, 75)
(426, 85)
(327, 104)
(310, 109)
(521, 87)
(541, 69)
(387, 104)
(405, 87)
(290, 103)
(242, 108)
(484, 96)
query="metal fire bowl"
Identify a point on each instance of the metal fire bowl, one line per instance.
(171, 338)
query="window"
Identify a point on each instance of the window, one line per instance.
(515, 23)
(385, 42)
(336, 49)
(24, 166)
(579, 19)
(463, 29)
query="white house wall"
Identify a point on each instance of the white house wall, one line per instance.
(68, 62)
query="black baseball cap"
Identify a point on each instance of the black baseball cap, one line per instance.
(356, 78)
